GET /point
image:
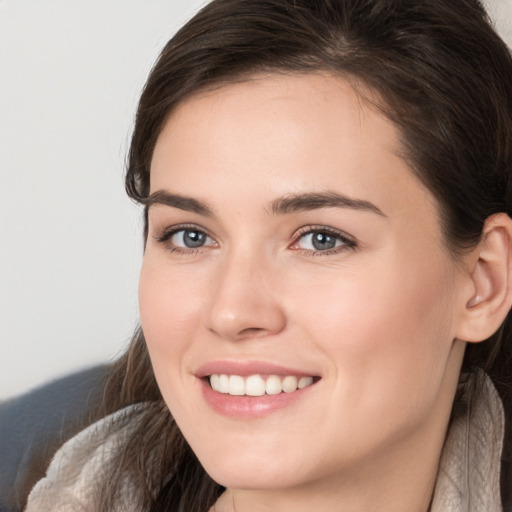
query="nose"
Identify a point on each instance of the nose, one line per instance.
(244, 303)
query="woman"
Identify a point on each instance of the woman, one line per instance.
(327, 273)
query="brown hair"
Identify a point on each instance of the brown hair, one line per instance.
(445, 80)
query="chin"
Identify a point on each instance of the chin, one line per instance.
(252, 477)
(254, 466)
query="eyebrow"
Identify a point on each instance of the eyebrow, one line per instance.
(281, 206)
(316, 200)
(188, 204)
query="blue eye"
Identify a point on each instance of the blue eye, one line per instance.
(190, 239)
(319, 241)
(322, 240)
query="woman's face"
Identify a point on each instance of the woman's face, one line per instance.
(291, 247)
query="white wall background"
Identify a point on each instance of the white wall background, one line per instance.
(70, 75)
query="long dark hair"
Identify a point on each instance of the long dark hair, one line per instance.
(441, 74)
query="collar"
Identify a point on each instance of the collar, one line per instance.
(469, 469)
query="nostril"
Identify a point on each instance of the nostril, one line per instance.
(246, 333)
(251, 332)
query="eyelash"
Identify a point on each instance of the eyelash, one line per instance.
(348, 242)
(168, 233)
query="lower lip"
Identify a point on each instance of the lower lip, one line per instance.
(249, 407)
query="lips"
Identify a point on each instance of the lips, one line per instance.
(247, 368)
(252, 389)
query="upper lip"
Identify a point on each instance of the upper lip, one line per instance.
(246, 368)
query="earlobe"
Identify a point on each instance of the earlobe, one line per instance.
(491, 278)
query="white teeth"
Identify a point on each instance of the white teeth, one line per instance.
(236, 385)
(289, 384)
(304, 382)
(215, 381)
(223, 384)
(255, 385)
(273, 385)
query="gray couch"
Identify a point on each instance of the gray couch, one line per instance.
(34, 425)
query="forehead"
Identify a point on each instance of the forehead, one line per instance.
(284, 96)
(283, 134)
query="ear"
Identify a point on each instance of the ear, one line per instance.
(489, 297)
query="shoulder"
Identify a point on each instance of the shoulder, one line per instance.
(81, 464)
(470, 466)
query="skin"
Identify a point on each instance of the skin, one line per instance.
(377, 318)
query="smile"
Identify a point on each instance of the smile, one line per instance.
(257, 385)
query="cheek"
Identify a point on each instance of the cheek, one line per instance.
(386, 328)
(169, 312)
